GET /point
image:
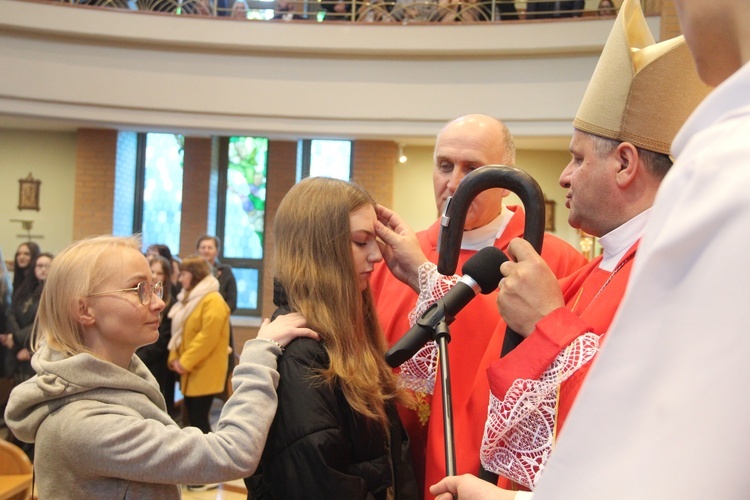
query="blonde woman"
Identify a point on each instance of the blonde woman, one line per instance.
(94, 410)
(336, 433)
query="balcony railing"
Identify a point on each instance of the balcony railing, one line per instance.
(365, 11)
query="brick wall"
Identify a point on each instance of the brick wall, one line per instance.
(372, 168)
(96, 156)
(282, 174)
(196, 182)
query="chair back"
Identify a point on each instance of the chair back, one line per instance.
(15, 472)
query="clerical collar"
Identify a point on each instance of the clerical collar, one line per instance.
(485, 236)
(618, 241)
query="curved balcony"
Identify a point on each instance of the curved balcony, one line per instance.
(401, 11)
(93, 67)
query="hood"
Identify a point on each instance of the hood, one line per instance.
(62, 379)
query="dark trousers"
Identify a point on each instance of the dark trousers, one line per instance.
(198, 409)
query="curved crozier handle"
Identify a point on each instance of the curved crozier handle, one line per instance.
(481, 179)
(454, 217)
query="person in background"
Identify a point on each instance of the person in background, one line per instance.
(155, 356)
(200, 339)
(337, 10)
(94, 411)
(21, 319)
(6, 292)
(25, 254)
(6, 289)
(201, 8)
(208, 247)
(164, 251)
(336, 433)
(606, 8)
(239, 9)
(285, 11)
(462, 146)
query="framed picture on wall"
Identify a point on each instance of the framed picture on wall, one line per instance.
(549, 214)
(28, 193)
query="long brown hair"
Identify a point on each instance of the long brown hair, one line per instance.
(314, 263)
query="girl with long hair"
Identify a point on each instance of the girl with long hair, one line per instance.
(336, 433)
(26, 253)
(21, 319)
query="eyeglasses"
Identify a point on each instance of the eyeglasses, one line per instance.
(144, 289)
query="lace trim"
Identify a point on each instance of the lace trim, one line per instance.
(419, 372)
(520, 430)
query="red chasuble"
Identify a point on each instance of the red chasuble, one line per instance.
(592, 297)
(471, 333)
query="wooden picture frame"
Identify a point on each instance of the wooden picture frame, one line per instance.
(28, 193)
(549, 214)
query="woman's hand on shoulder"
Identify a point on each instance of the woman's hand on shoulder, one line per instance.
(286, 328)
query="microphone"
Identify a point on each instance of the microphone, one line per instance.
(481, 274)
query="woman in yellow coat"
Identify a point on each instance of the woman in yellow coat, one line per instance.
(200, 339)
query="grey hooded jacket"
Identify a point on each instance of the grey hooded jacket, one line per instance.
(102, 431)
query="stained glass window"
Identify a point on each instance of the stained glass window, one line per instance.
(242, 222)
(162, 191)
(329, 158)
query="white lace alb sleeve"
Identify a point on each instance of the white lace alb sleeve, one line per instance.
(520, 430)
(419, 372)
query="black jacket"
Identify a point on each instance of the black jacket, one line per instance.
(318, 447)
(227, 283)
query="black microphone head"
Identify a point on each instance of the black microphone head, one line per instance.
(484, 268)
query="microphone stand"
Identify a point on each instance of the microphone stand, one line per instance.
(442, 337)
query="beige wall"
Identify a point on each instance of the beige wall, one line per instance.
(51, 158)
(414, 200)
(413, 196)
(545, 167)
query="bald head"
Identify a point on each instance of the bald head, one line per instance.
(463, 145)
(484, 132)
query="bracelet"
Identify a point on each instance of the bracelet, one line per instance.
(276, 344)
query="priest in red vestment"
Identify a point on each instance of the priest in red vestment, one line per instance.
(620, 153)
(464, 144)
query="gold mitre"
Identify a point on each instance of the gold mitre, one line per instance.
(641, 91)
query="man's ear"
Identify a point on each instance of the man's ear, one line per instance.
(629, 159)
(83, 313)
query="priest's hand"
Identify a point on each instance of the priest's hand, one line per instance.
(529, 290)
(399, 246)
(468, 487)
